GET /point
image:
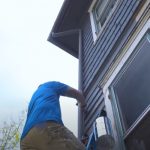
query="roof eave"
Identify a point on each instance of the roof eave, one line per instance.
(54, 41)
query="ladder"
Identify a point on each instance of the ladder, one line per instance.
(91, 145)
(95, 137)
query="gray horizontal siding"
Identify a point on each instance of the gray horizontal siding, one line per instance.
(95, 102)
(94, 55)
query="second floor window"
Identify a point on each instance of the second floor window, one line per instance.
(100, 11)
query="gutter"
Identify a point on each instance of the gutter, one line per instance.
(80, 87)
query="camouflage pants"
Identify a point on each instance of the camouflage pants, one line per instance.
(50, 136)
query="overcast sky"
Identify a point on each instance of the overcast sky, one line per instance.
(27, 59)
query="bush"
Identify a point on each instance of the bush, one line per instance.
(10, 134)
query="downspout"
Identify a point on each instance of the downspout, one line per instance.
(80, 87)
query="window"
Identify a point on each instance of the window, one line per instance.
(130, 90)
(100, 11)
(132, 87)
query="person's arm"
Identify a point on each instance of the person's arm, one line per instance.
(73, 93)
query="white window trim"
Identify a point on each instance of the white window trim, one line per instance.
(96, 36)
(92, 20)
(121, 63)
(93, 27)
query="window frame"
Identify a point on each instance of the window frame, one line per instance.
(110, 101)
(121, 73)
(95, 31)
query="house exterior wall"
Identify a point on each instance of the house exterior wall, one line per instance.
(98, 56)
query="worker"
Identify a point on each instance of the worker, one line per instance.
(44, 128)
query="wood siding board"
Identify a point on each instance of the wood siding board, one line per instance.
(117, 12)
(88, 52)
(87, 75)
(93, 100)
(135, 5)
(88, 48)
(128, 13)
(90, 59)
(94, 89)
(89, 122)
(87, 36)
(89, 126)
(95, 105)
(93, 53)
(127, 7)
(93, 95)
(95, 109)
(86, 28)
(100, 49)
(87, 32)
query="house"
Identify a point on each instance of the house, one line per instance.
(111, 39)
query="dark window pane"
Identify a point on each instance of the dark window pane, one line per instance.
(132, 93)
(139, 139)
(132, 90)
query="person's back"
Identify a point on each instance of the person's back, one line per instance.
(44, 126)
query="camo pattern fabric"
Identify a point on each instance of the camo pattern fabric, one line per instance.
(50, 136)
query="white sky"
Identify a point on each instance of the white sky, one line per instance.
(27, 59)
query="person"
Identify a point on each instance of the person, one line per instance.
(44, 128)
